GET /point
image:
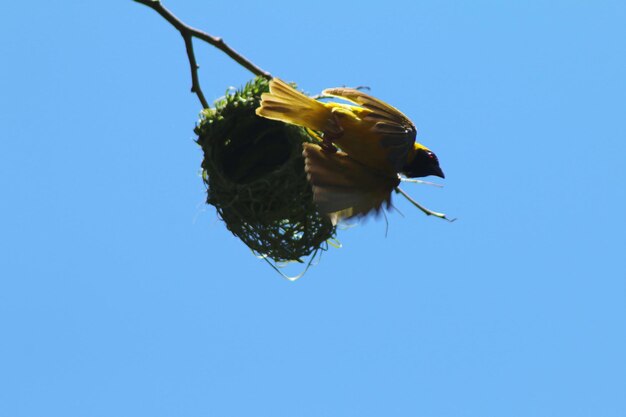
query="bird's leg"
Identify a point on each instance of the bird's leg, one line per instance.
(333, 132)
(422, 208)
(325, 142)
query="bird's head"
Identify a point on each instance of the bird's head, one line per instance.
(424, 163)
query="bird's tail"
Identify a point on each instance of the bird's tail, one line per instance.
(286, 104)
(344, 188)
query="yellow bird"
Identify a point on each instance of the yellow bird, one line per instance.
(377, 143)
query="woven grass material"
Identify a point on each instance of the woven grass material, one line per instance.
(254, 173)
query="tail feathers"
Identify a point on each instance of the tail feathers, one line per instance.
(288, 105)
(344, 188)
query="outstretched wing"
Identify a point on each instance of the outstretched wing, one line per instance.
(396, 131)
(342, 187)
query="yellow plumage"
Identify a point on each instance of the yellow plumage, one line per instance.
(377, 142)
(348, 127)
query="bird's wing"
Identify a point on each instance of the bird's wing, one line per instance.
(396, 131)
(343, 187)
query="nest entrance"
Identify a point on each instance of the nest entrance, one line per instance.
(245, 161)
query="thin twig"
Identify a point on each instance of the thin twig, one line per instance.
(195, 82)
(187, 32)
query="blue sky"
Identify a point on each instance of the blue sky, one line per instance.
(122, 294)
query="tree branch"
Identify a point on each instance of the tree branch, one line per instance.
(188, 33)
(195, 83)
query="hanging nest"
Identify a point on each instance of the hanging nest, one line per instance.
(254, 173)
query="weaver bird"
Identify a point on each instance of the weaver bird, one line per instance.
(376, 140)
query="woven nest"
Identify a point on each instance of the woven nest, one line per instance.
(254, 173)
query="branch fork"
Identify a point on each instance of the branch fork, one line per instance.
(188, 33)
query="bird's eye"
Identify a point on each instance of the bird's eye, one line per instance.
(432, 155)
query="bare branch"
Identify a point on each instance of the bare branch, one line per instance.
(195, 83)
(188, 33)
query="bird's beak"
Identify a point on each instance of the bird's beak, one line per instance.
(438, 172)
